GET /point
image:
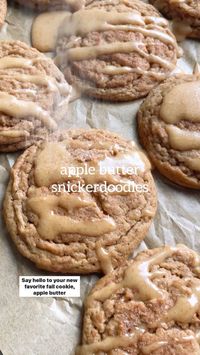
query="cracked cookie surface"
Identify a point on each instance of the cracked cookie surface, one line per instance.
(82, 231)
(42, 5)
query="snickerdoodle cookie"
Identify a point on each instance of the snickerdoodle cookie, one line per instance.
(67, 221)
(151, 305)
(33, 96)
(185, 15)
(116, 49)
(169, 128)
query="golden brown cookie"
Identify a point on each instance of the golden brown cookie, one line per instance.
(169, 129)
(3, 11)
(33, 96)
(42, 5)
(67, 221)
(185, 15)
(116, 49)
(151, 305)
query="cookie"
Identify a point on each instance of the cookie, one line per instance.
(3, 11)
(65, 217)
(151, 305)
(185, 15)
(169, 129)
(116, 50)
(42, 5)
(33, 96)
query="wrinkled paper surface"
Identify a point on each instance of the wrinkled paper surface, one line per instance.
(46, 326)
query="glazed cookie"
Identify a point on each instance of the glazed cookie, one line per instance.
(116, 49)
(169, 129)
(3, 10)
(151, 305)
(42, 5)
(67, 221)
(33, 96)
(185, 15)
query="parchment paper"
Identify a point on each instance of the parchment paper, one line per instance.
(50, 326)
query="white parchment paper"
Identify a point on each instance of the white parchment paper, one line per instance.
(53, 326)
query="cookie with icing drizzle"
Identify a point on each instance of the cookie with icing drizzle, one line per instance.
(150, 305)
(116, 50)
(75, 230)
(169, 128)
(34, 96)
(185, 15)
